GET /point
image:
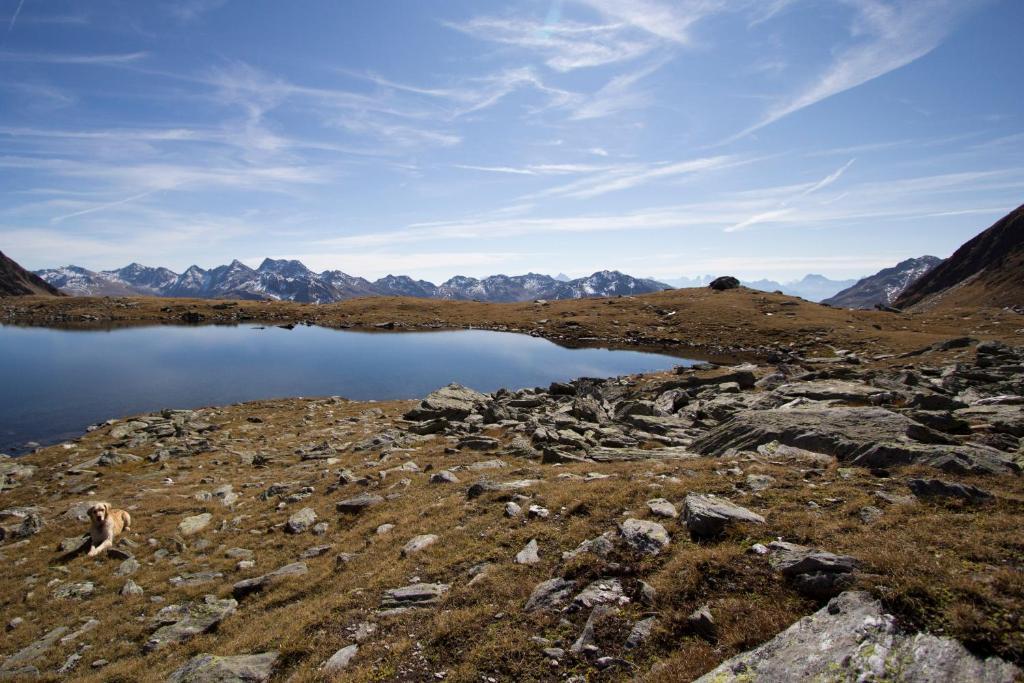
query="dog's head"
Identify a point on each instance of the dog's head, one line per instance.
(99, 512)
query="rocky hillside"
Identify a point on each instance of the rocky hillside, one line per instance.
(285, 280)
(16, 281)
(885, 286)
(988, 270)
(657, 528)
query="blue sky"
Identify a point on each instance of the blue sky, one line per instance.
(662, 138)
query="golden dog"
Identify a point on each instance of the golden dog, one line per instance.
(107, 523)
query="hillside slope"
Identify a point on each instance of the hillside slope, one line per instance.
(886, 285)
(16, 281)
(988, 270)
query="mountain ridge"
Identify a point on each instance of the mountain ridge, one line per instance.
(885, 286)
(291, 280)
(16, 281)
(987, 270)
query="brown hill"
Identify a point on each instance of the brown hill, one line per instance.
(16, 281)
(988, 270)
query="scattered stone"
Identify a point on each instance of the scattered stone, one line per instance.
(195, 524)
(418, 543)
(195, 579)
(178, 623)
(74, 591)
(315, 551)
(759, 482)
(707, 516)
(340, 660)
(641, 632)
(131, 588)
(443, 477)
(359, 503)
(702, 623)
(128, 567)
(415, 595)
(550, 594)
(938, 488)
(512, 509)
(301, 521)
(528, 555)
(815, 573)
(644, 536)
(600, 592)
(247, 587)
(538, 512)
(660, 507)
(207, 668)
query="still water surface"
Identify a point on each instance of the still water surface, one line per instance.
(53, 383)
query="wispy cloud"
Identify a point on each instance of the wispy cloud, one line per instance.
(887, 36)
(191, 10)
(101, 207)
(537, 169)
(785, 209)
(565, 45)
(14, 17)
(671, 21)
(617, 95)
(110, 59)
(627, 176)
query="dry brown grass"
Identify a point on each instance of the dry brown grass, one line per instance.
(706, 324)
(944, 567)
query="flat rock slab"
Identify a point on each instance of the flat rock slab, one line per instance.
(74, 591)
(852, 639)
(195, 579)
(815, 573)
(207, 668)
(707, 516)
(418, 543)
(254, 585)
(359, 503)
(340, 660)
(870, 437)
(660, 507)
(644, 535)
(550, 594)
(195, 524)
(481, 487)
(606, 454)
(178, 623)
(32, 651)
(601, 592)
(938, 488)
(830, 390)
(415, 595)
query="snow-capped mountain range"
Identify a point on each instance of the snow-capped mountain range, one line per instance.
(293, 281)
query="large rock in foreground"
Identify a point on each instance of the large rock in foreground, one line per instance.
(206, 668)
(852, 639)
(871, 437)
(453, 402)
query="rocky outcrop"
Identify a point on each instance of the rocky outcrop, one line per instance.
(853, 638)
(207, 668)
